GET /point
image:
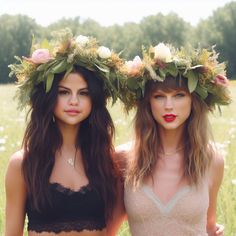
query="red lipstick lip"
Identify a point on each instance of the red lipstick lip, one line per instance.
(169, 117)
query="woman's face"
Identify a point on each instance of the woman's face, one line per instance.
(73, 100)
(170, 109)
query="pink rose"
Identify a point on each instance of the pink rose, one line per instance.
(221, 80)
(133, 67)
(40, 56)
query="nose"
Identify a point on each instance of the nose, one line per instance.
(168, 103)
(74, 99)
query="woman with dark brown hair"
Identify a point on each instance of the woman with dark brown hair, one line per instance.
(64, 178)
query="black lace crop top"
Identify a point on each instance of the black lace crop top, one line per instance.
(70, 211)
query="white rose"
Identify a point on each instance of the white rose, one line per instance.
(162, 52)
(133, 67)
(104, 52)
(82, 40)
(137, 61)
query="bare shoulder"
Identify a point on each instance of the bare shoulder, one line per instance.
(216, 167)
(217, 160)
(16, 159)
(15, 166)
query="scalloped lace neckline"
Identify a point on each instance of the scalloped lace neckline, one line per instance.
(60, 188)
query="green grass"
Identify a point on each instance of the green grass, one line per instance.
(12, 125)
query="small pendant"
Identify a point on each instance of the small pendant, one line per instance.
(70, 161)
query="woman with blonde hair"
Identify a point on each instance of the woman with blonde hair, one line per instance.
(173, 171)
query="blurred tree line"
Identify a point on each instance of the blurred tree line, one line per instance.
(219, 29)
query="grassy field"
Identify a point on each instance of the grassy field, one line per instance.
(12, 123)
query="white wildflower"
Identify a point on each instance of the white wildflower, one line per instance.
(162, 52)
(104, 52)
(2, 140)
(82, 40)
(233, 181)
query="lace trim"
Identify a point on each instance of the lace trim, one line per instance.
(77, 226)
(68, 191)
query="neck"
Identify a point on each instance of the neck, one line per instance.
(171, 141)
(69, 135)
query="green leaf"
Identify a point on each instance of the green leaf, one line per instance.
(171, 69)
(60, 67)
(44, 44)
(192, 80)
(162, 73)
(106, 70)
(132, 83)
(49, 82)
(202, 92)
(45, 66)
(69, 69)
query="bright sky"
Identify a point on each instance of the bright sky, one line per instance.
(109, 12)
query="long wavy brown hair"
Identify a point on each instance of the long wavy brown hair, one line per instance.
(43, 138)
(197, 151)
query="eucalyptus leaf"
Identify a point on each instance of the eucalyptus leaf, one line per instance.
(192, 80)
(45, 66)
(42, 67)
(171, 69)
(60, 67)
(202, 92)
(69, 69)
(49, 82)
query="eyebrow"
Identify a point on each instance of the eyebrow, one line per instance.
(82, 89)
(170, 91)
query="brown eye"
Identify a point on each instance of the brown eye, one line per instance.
(84, 93)
(63, 92)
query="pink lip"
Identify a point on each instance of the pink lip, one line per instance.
(169, 117)
(72, 112)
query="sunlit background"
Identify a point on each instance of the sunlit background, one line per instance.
(124, 26)
(109, 12)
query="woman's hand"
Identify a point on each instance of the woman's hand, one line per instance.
(219, 230)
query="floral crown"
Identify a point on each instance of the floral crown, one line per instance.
(199, 66)
(61, 54)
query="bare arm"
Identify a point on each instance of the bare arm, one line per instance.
(216, 176)
(15, 197)
(119, 214)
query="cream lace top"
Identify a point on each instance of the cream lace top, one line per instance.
(184, 215)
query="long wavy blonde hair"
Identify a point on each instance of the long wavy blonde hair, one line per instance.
(197, 153)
